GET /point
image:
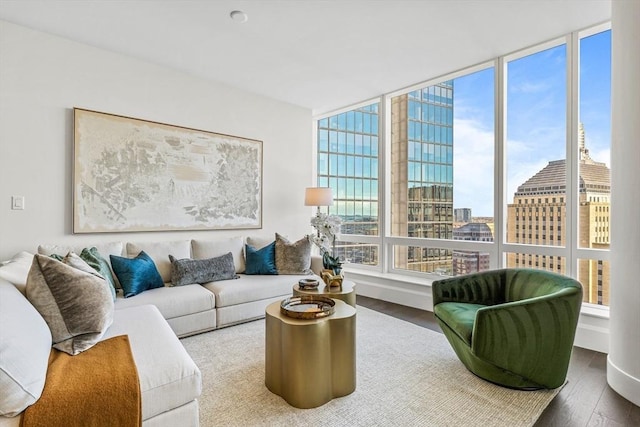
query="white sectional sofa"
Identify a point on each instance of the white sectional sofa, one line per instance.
(170, 384)
(192, 309)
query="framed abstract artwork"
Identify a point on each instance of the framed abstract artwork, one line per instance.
(137, 175)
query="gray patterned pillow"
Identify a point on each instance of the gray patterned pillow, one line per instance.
(293, 258)
(188, 271)
(75, 302)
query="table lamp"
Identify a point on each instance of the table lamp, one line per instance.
(318, 196)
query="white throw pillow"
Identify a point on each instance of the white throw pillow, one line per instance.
(24, 352)
(159, 252)
(204, 249)
(16, 270)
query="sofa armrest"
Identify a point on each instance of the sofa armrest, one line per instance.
(486, 288)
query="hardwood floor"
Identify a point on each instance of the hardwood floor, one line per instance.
(586, 400)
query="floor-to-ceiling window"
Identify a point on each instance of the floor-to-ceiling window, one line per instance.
(464, 189)
(594, 146)
(536, 167)
(348, 163)
(442, 150)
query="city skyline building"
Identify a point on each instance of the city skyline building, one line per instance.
(466, 262)
(348, 163)
(476, 231)
(462, 214)
(422, 175)
(538, 216)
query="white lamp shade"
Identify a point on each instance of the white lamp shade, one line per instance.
(318, 196)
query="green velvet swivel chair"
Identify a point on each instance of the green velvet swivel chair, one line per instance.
(513, 327)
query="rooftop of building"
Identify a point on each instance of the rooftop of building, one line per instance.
(594, 176)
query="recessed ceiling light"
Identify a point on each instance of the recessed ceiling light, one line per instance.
(239, 16)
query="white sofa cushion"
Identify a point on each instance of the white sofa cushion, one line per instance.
(172, 301)
(168, 376)
(258, 242)
(16, 270)
(25, 344)
(250, 288)
(203, 249)
(105, 249)
(159, 253)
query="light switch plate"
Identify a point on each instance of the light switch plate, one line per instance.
(17, 203)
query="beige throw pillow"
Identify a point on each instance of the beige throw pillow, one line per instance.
(76, 304)
(293, 258)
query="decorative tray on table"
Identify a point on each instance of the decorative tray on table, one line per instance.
(307, 307)
(308, 284)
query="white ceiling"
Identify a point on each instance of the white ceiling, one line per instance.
(317, 54)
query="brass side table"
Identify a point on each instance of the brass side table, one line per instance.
(346, 294)
(310, 362)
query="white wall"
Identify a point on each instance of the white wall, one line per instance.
(42, 77)
(623, 363)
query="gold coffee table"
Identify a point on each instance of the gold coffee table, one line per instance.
(310, 362)
(346, 294)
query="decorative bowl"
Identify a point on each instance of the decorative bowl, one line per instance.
(307, 307)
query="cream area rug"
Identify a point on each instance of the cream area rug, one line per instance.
(406, 376)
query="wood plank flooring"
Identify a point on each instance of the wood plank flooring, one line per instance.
(585, 401)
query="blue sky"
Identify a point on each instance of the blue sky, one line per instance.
(536, 119)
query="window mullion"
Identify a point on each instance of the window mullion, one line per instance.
(573, 167)
(384, 188)
(500, 174)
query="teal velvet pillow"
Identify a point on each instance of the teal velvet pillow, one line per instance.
(136, 275)
(261, 261)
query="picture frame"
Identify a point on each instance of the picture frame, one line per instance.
(135, 175)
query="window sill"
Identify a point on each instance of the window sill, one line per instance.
(375, 276)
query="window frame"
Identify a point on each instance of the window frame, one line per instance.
(499, 248)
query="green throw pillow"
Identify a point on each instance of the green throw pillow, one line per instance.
(92, 257)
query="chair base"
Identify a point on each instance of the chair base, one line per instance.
(488, 371)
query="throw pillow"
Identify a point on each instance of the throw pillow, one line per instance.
(105, 249)
(159, 253)
(99, 265)
(293, 258)
(75, 303)
(261, 261)
(92, 257)
(16, 269)
(137, 274)
(24, 352)
(187, 271)
(203, 249)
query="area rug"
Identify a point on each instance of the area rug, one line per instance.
(406, 376)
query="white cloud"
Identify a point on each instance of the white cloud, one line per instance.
(530, 87)
(473, 167)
